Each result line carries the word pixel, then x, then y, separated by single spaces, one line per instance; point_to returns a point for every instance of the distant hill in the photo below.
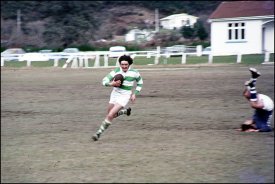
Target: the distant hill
pixel 67 23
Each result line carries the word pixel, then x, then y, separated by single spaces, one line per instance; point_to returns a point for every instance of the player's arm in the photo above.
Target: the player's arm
pixel 139 84
pixel 252 130
pixel 257 104
pixel 108 80
pixel 138 88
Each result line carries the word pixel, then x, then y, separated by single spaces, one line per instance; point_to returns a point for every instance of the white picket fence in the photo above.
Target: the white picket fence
pixel 81 59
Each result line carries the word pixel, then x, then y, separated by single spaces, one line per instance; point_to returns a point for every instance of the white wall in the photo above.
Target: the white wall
pixel 269 37
pixel 130 37
pixel 251 45
pixel 177 22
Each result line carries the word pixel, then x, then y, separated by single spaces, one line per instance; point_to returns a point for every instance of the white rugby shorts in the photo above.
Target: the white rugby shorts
pixel 119 98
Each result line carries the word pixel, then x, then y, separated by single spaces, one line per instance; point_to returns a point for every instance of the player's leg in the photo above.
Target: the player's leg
pixel 250 91
pixel 104 125
pixel 262 119
pixel 246 94
pixel 252 84
pixel 113 109
pixel 110 106
pixel 126 111
pixel 113 112
pixel 123 100
pixel 251 94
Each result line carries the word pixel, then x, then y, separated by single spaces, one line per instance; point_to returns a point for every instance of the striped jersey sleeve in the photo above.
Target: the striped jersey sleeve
pixel 139 82
pixel 107 79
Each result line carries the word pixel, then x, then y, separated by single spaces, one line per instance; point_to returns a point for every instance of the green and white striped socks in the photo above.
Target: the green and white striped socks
pixel 104 125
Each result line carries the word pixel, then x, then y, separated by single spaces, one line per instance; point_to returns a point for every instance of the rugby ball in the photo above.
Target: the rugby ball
pixel 119 77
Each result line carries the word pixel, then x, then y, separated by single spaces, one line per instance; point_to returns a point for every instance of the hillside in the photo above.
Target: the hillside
pixel 67 23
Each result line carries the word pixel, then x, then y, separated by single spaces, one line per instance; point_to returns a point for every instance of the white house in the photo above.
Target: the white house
pixel 138 35
pixel 242 27
pixel 176 21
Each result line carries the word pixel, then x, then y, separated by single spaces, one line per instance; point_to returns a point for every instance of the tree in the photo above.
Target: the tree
pixel 200 30
pixel 197 32
pixel 187 32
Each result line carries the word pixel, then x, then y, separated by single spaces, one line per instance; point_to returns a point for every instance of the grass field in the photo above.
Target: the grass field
pixel 182 128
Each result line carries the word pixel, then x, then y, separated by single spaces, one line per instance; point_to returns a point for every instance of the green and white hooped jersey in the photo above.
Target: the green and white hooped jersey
pixel 130 77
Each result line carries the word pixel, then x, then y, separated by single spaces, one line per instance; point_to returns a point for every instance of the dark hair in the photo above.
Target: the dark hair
pixel 125 58
pixel 245 127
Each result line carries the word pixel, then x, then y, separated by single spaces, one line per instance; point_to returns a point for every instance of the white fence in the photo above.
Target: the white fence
pixel 80 59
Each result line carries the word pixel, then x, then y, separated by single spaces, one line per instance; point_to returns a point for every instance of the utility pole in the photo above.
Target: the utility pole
pixel 18 27
pixel 18 21
pixel 156 20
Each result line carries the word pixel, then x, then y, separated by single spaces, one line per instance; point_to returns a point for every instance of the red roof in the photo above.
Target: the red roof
pixel 230 9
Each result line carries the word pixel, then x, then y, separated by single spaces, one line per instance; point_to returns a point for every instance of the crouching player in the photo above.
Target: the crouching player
pixel 263 105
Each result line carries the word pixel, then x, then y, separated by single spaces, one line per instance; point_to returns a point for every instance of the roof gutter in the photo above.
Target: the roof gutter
pixel 240 18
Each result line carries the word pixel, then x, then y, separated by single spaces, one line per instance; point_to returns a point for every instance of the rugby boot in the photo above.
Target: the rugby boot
pixel 95 137
pixel 128 111
pixel 254 73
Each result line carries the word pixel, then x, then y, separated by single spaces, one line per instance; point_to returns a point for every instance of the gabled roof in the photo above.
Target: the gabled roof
pixel 230 9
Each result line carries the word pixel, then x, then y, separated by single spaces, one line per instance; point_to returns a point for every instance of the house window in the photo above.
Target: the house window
pixel 183 22
pixel 236 31
pixel 188 22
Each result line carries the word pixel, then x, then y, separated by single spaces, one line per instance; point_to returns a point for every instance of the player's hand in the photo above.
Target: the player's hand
pixel 115 83
pixel 251 130
pixel 133 98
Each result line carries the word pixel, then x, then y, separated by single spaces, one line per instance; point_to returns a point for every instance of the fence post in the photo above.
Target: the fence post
pixel 97 60
pixel 157 55
pixel 239 58
pixel 29 63
pixel 167 55
pixel 2 61
pixel 210 58
pixel 183 58
pixel 105 60
pixel 157 59
pixel 86 61
pixel 55 62
pixel 148 55
pixel 266 57
pixel 81 61
pixel 74 63
pixel 199 50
